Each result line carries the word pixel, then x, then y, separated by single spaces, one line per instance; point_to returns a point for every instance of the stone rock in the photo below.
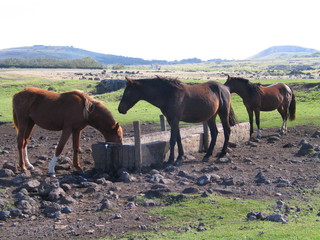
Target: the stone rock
pixel 66 187
pixel 107 204
pixel 51 209
pixel 56 194
pixel 24 205
pixel 278 218
pixel 2 204
pixel 31 185
pixel 316 134
pixel 185 175
pixel 224 160
pixel 156 178
pixel 150 203
pixel 171 168
pixel 6 173
pixel 67 210
pixel 273 139
pixel 4 215
pixel 257 215
pixel 9 165
pixel 126 177
pixel 67 200
pixel 191 190
pixel 47 186
pixel 157 191
pixel 260 178
pixel 15 212
pixel 203 180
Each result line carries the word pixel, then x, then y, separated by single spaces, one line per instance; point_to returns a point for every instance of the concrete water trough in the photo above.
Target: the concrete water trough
pixel 153 149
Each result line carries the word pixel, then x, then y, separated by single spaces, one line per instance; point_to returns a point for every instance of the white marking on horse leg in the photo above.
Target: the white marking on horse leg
pixel 259 134
pixel 26 158
pixel 52 165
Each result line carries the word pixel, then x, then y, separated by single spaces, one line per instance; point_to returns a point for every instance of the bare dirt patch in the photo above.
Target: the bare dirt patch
pixel 105 205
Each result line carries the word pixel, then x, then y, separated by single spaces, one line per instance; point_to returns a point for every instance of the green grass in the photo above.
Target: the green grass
pixel 306 101
pixel 225 218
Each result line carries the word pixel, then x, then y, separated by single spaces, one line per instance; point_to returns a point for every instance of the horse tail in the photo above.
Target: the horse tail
pixel 15 119
pixel 232 117
pixel 225 99
pixel 292 108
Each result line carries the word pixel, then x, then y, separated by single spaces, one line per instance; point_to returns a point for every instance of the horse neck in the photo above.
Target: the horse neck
pixel 154 95
pixel 242 90
pixel 102 120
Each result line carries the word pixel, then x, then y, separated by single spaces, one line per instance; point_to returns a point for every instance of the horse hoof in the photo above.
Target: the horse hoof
pixel 52 175
pixel 25 173
pixel 205 159
pixel 178 162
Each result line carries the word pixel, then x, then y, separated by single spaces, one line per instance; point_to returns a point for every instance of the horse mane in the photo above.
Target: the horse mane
pixel 252 87
pixel 89 103
pixel 166 81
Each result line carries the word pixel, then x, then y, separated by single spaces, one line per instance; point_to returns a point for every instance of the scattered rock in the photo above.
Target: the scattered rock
pixel 278 218
pixel 4 215
pixel 107 204
pixel 191 190
pixel 6 173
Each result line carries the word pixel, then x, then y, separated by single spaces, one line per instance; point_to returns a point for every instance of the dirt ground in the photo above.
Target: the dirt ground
pixel 269 167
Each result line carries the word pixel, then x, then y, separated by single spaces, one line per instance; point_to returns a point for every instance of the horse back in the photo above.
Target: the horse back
pixel 48 109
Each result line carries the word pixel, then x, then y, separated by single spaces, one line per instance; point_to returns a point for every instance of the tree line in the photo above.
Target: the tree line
pixel 84 63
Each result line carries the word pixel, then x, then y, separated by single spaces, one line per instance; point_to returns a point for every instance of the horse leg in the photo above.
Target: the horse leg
pixel 21 149
pixel 226 131
pixel 27 135
pixel 284 114
pixel 76 148
pixel 180 147
pixel 214 133
pixel 257 115
pixel 63 139
pixel 173 138
pixel 250 114
pixel 22 140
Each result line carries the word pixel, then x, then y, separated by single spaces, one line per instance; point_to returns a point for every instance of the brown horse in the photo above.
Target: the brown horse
pixel 70 112
pixel 258 98
pixel 182 102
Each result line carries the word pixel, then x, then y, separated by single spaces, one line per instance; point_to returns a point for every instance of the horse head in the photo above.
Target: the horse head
pixel 116 134
pixel 229 84
pixel 130 97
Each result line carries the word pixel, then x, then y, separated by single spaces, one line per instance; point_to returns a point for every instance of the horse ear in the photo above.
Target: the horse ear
pixel 228 77
pixel 129 80
pixel 116 126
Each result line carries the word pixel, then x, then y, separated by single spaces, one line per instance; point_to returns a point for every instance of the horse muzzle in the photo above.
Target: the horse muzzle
pixel 122 109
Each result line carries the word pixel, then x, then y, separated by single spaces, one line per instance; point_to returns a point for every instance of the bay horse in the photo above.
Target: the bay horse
pixel 69 111
pixel 258 98
pixel 182 102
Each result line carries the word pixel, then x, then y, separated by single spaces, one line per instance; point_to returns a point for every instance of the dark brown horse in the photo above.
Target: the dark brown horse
pixel 70 112
pixel 258 98
pixel 182 102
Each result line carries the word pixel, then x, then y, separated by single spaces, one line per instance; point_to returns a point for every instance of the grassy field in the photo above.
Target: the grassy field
pixel 225 218
pixel 307 100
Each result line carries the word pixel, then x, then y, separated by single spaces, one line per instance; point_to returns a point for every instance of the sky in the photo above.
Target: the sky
pixel 164 29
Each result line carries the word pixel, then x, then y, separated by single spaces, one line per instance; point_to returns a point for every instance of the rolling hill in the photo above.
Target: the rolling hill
pixel 66 52
pixel 285 51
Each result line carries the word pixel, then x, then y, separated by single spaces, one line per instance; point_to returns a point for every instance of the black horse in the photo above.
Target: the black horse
pixel 182 102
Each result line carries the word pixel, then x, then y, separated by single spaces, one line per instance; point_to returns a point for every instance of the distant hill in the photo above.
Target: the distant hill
pixel 284 51
pixel 66 52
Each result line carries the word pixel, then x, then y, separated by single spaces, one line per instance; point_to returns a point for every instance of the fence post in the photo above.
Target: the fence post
pixel 205 136
pixel 163 123
pixel 137 145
